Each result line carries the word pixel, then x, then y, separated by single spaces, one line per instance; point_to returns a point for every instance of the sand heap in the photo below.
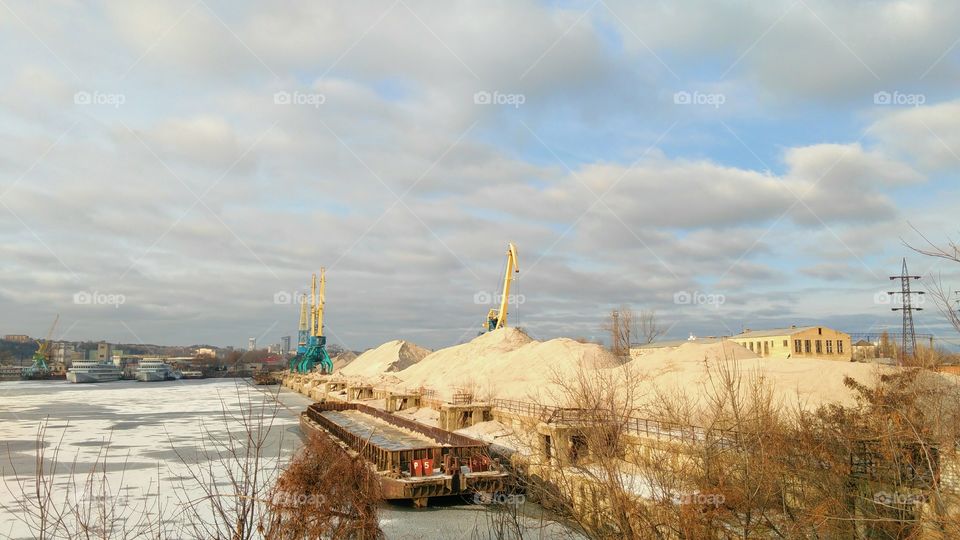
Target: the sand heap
pixel 390 357
pixel 508 364
pixel 505 363
pixel 341 360
pixel 688 369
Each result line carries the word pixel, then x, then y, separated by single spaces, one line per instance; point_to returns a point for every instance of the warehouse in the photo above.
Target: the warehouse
pixel 797 342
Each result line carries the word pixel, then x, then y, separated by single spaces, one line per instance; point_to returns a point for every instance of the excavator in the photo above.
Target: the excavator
pixel 40 368
pixel 311 343
pixel 498 318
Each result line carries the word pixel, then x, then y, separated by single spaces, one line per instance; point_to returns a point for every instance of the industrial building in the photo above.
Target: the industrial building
pixel 817 342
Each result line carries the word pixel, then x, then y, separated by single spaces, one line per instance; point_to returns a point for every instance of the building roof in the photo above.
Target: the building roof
pixel 773 332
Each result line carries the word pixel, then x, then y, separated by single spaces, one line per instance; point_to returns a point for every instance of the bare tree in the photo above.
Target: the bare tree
pixel 942 295
pixel 232 469
pixel 647 326
pixel 55 501
pixel 619 325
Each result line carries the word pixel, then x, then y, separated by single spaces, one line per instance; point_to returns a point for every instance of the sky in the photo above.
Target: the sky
pixel 172 172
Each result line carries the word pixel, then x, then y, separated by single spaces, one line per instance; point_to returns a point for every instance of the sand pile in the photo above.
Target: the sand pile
pixel 341 360
pixel 688 369
pixel 505 363
pixel 508 364
pixel 390 357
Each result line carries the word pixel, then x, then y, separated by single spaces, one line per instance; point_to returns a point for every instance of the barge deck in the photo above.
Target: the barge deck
pixel 413 461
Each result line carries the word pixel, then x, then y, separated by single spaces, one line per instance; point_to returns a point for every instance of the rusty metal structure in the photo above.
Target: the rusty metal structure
pixel 413 461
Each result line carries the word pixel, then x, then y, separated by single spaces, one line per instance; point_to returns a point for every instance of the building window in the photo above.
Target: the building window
pixel 819 347
pixel 806 346
pixel 766 348
pixel 796 346
pixel 839 346
pixel 751 345
pixel 785 344
pixel 829 346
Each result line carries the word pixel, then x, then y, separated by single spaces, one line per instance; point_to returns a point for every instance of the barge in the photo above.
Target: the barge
pixel 413 461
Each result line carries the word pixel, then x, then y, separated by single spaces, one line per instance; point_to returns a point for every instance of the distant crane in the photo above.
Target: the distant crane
pixel 312 344
pixel 498 318
pixel 41 368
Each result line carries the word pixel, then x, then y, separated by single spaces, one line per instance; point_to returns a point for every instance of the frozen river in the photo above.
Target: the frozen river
pixel 148 430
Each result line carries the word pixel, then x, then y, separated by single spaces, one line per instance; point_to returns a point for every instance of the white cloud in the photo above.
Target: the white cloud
pixel 928 135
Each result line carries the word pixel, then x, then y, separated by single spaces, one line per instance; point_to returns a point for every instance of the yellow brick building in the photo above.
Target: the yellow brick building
pixel 797 342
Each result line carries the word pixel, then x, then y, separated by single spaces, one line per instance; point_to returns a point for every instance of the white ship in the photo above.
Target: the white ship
pixel 154 369
pixel 92 371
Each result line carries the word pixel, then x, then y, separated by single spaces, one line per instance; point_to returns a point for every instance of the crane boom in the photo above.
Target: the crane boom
pixel 322 299
pixel 498 318
pixel 44 345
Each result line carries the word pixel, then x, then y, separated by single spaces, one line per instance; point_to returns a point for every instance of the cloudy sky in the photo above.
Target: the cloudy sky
pixel 171 171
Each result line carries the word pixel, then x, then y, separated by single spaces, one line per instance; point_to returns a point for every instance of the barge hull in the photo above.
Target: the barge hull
pixel 463 464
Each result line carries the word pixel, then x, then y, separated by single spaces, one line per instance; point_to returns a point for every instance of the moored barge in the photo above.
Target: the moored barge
pixel 413 461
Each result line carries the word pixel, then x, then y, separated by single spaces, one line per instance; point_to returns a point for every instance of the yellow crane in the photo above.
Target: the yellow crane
pixel 41 367
pixel 312 345
pixel 498 318
pixel 317 301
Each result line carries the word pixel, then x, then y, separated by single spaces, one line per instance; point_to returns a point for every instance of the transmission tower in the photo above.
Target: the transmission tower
pixel 908 337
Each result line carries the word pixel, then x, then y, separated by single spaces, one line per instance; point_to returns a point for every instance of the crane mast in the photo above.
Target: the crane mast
pixel 498 318
pixel 319 299
pixel 304 329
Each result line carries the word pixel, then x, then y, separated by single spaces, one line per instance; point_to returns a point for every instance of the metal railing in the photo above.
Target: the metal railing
pixel 643 427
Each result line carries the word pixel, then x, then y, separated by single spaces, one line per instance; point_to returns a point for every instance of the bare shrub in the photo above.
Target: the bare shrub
pixel 233 469
pixel 324 493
